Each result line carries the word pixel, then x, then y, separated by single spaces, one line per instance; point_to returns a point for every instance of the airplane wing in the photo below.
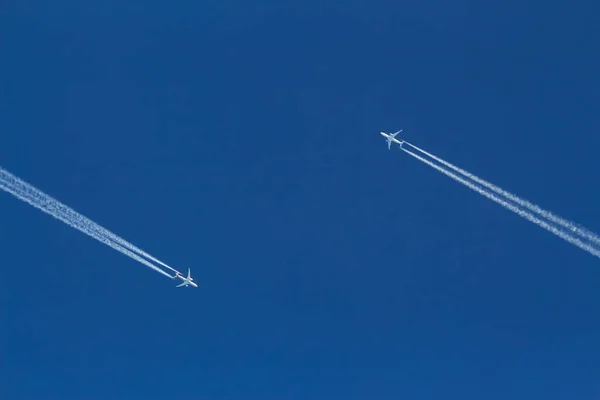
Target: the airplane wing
pixel 183 284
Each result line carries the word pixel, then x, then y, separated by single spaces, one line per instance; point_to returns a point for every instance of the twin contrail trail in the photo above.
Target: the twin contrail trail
pixel 516 199
pixel 523 208
pixel 40 200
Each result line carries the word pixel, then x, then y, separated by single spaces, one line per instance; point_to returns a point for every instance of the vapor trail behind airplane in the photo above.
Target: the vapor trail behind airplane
pixel 516 199
pixel 523 213
pixel 24 187
pixel 58 210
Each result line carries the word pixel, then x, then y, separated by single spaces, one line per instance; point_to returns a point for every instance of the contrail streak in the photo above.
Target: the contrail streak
pixel 42 203
pixel 525 214
pixel 24 187
pixel 516 199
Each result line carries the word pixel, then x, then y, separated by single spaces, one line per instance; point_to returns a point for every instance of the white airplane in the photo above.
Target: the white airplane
pixel 391 137
pixel 186 281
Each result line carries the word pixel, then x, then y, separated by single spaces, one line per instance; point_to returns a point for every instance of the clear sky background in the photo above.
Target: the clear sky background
pixel 241 139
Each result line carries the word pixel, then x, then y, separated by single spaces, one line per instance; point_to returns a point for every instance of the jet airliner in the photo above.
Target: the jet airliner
pixel 391 137
pixel 186 281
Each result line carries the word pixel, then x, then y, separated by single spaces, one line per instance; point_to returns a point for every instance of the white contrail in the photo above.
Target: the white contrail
pixel 516 199
pixel 525 214
pixel 24 187
pixel 56 213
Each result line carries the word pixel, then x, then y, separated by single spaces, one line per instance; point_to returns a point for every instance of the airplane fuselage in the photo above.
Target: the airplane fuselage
pixel 390 138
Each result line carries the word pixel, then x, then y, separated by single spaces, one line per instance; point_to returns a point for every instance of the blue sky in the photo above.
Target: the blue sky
pixel 241 139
